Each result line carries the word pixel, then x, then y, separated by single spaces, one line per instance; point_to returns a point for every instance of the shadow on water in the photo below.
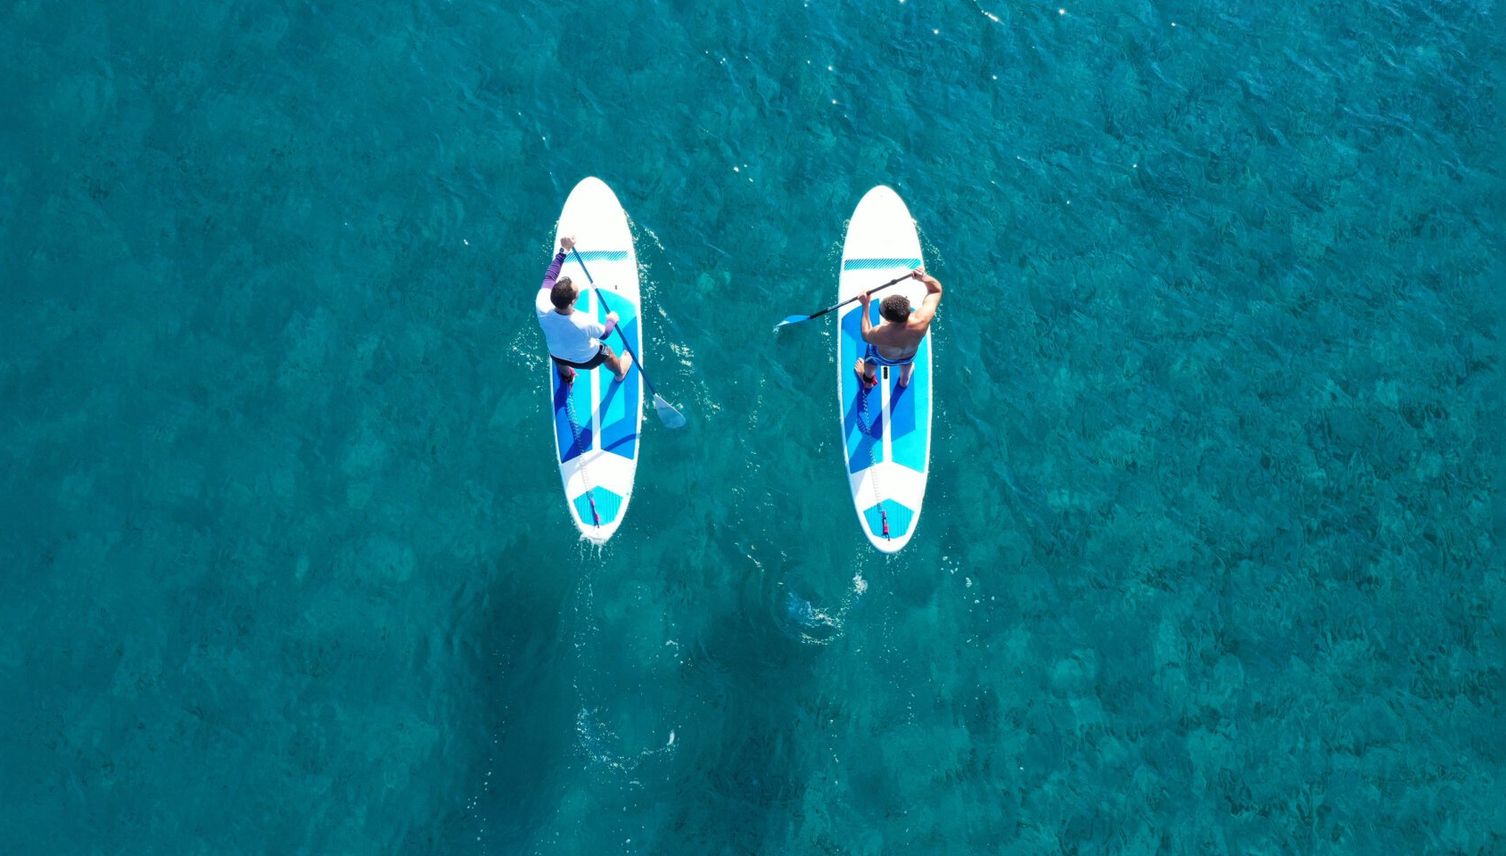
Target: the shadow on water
pixel 745 780
pixel 741 783
pixel 525 701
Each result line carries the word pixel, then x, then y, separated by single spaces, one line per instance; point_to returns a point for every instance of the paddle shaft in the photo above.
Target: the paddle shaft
pixel 625 343
pixel 870 292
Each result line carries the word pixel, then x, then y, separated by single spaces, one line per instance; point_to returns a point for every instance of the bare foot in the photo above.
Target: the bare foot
pixel 567 374
pixel 869 381
pixel 626 362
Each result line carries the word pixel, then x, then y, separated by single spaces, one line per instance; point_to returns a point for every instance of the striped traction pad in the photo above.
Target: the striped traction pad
pixel 608 504
pixel 881 264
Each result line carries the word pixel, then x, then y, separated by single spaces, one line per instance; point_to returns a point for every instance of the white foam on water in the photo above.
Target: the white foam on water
pixel 602 745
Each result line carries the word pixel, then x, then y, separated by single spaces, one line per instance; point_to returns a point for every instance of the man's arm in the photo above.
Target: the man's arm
pixel 599 330
pixel 559 261
pixel 541 302
pixel 864 299
pixel 920 319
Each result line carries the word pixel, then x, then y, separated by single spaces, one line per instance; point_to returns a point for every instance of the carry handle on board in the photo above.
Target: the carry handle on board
pixel 671 417
pixel 796 319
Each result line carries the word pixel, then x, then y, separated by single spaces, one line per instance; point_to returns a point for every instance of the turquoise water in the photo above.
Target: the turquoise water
pixel 1210 558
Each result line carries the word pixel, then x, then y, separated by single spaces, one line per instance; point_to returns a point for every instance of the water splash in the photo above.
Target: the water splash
pixel 816 625
pixel 602 746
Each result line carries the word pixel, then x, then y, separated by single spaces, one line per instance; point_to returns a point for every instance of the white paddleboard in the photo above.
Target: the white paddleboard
pixel 886 430
pixel 597 419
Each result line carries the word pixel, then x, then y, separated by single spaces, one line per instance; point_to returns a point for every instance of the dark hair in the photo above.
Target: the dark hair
pixel 896 308
pixel 563 293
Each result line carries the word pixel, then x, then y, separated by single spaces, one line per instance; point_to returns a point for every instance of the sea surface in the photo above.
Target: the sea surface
pixel 1211 556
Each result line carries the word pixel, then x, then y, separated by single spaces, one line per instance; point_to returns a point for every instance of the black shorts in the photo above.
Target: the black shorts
pixel 601 356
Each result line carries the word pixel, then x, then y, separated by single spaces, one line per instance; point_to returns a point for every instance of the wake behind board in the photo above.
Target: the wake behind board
pixel 886 430
pixel 597 419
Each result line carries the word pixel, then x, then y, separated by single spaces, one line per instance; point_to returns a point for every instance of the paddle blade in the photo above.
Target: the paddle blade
pixel 793 319
pixel 671 417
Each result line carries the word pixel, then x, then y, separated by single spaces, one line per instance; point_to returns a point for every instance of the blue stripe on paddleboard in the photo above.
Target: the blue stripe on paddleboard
pixel 909 416
pixel 899 519
pixel 619 402
pixel 608 504
pixel 862 420
pixel 580 393
pixel 880 264
pixel 580 402
pixel 601 255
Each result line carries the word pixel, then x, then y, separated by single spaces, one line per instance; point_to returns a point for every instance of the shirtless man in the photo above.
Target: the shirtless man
pixel 574 340
pixel 895 341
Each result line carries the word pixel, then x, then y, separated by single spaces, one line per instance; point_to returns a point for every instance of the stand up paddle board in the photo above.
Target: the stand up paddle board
pixel 596 418
pixel 886 430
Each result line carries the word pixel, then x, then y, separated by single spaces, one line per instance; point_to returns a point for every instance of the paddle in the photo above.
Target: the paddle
pixel 796 319
pixel 671 417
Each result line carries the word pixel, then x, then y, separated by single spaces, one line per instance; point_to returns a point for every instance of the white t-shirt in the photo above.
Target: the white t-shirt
pixel 575 337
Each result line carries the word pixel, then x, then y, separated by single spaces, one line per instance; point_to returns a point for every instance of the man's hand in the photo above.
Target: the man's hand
pixel 865 298
pixel 932 285
pixel 567 243
pixel 611 317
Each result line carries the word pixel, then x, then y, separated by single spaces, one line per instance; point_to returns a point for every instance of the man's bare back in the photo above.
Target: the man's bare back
pixel 897 337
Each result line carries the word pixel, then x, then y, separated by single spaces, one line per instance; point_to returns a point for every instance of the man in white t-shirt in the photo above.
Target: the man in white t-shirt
pixel 574 340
